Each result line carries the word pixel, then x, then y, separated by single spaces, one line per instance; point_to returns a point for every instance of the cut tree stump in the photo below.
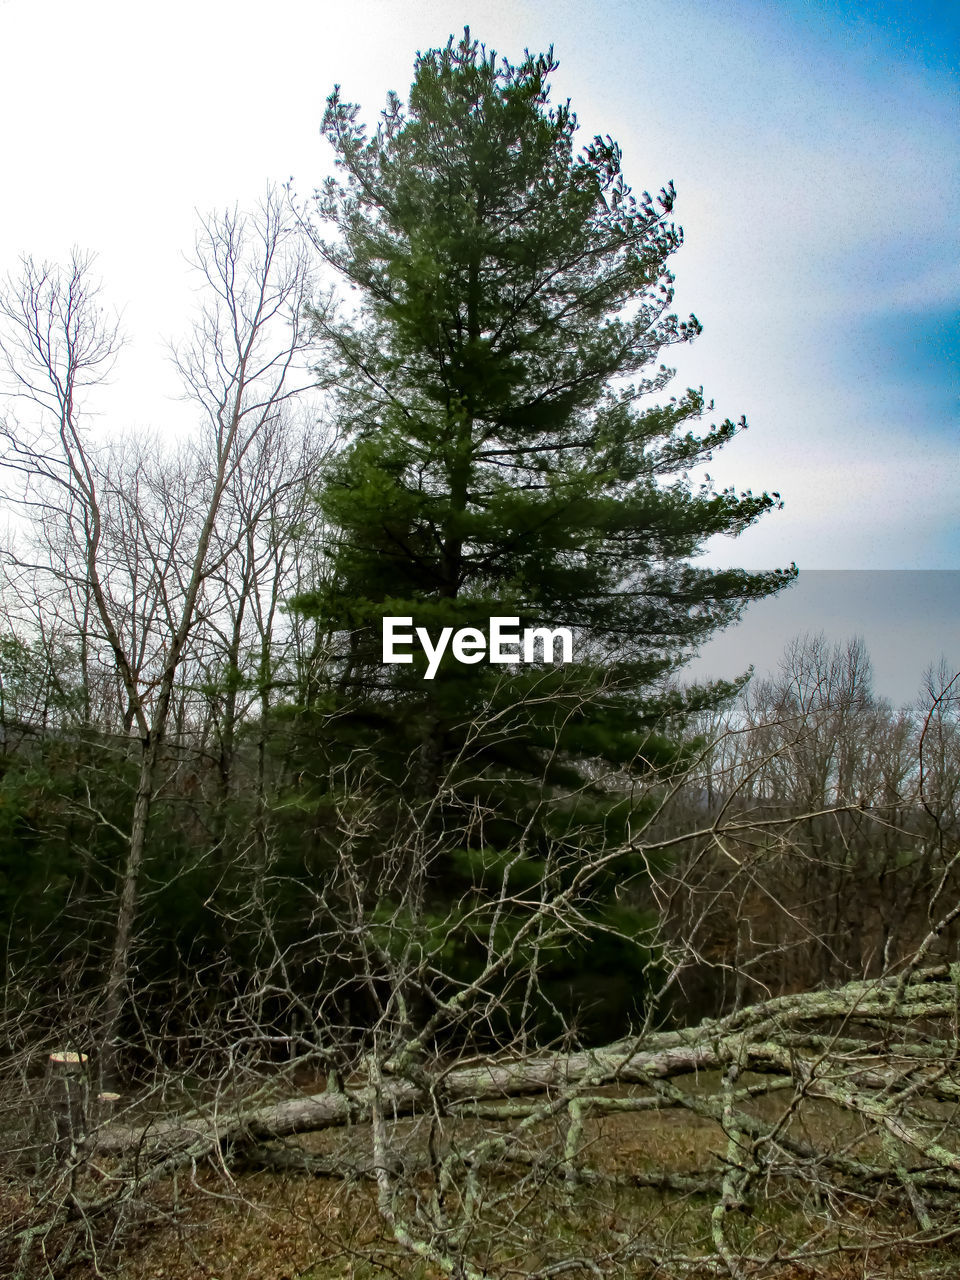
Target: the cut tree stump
pixel 66 1097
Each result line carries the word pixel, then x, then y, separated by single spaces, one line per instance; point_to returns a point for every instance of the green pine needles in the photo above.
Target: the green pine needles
pixel 497 380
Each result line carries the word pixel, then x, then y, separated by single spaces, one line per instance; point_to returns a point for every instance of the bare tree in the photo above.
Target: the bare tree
pixel 145 563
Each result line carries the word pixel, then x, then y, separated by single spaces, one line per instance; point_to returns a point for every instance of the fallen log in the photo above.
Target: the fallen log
pixel 752 1038
pixel 401 1097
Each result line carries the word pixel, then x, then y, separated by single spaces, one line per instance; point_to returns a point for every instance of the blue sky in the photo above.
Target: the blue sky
pixel 814 147
pixel 907 619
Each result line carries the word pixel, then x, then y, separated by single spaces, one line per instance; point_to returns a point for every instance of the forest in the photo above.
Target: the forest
pixel 448 965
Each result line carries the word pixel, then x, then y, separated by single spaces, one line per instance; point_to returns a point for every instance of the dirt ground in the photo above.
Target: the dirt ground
pixel 209 1224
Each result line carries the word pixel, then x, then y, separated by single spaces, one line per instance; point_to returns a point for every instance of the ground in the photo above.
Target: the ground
pixel 208 1224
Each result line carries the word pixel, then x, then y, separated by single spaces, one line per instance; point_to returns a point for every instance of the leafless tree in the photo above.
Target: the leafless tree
pixel 132 533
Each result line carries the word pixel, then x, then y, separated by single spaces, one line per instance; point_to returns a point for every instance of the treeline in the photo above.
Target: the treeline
pixel 841 824
pixel 838 820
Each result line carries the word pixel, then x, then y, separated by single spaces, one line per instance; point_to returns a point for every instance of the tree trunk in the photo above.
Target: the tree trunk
pixel 126 914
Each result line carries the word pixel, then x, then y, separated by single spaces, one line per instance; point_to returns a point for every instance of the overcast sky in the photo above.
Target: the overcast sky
pixel 814 147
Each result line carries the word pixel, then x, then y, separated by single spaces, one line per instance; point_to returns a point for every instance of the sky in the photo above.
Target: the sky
pixel 814 148
pixel 907 620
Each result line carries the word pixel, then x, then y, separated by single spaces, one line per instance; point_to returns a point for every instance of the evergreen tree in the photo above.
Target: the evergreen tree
pixel 497 381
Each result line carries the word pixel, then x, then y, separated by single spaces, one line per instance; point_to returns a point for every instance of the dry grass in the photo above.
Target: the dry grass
pixel 214 1225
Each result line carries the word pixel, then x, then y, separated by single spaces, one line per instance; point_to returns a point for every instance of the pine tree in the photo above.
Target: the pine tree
pixel 497 382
